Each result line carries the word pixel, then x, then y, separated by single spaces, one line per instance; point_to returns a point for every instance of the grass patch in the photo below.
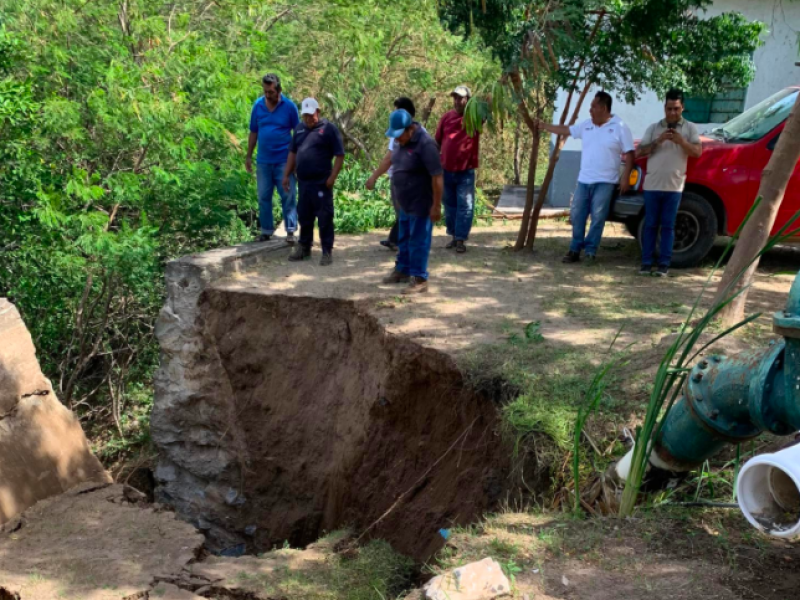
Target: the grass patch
pixel 376 571
pixel 540 386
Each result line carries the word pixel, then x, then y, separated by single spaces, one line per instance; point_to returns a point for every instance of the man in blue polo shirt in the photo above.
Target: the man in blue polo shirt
pixel 272 121
pixel 418 184
pixel 316 143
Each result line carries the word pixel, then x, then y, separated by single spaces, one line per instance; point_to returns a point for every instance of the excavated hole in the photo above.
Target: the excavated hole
pixel 346 425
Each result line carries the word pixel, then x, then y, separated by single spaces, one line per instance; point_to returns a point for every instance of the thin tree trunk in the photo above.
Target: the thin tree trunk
pixel 533 163
pixel 755 232
pixel 551 169
pixel 517 153
pixel 426 112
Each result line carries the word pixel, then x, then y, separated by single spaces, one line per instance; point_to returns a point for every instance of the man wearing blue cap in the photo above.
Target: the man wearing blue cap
pixel 417 184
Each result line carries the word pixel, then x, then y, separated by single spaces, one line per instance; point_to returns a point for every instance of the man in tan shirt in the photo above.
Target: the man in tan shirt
pixel 668 143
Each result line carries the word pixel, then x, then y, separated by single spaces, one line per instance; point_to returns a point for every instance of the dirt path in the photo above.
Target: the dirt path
pixel 489 292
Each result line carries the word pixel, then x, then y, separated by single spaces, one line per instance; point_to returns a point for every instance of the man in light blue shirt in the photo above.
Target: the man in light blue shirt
pixel 272 122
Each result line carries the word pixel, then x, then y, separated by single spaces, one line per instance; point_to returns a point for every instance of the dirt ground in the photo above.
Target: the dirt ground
pixel 661 555
pixel 483 295
pixel 94 544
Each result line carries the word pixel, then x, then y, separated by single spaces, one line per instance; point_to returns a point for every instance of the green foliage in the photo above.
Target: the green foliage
pixel 623 46
pixel 123 130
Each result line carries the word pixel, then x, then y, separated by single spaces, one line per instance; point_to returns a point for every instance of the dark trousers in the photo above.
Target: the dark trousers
pixel 315 202
pixel 395 230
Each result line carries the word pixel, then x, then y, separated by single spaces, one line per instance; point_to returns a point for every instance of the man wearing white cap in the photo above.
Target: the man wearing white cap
pixel 316 143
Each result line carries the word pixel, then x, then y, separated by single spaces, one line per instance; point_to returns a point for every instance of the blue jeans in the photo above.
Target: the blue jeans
pixel 414 244
pixel 660 209
pixel 590 199
pixel 459 202
pixel 268 179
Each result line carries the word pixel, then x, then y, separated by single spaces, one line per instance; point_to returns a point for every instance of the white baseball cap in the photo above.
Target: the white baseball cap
pixel 309 106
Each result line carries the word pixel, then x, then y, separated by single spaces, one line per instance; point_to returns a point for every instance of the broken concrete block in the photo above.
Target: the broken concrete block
pixel 480 580
pixel 43 451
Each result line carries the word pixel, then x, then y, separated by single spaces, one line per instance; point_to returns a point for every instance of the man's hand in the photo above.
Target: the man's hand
pixel 331 181
pixel 370 185
pixel 436 212
pixel 248 164
pixel 285 183
pixel 666 136
pixel 624 187
pixel 677 137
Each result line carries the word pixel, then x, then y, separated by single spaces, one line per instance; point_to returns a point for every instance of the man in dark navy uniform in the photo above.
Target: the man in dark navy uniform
pixel 316 143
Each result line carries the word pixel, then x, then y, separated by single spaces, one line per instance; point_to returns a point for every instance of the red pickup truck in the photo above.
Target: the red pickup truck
pixel 722 184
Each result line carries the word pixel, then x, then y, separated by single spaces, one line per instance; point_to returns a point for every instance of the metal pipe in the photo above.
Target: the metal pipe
pixel 733 399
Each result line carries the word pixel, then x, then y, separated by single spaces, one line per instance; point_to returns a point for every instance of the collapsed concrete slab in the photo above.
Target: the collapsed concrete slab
pixel 92 543
pixel 43 450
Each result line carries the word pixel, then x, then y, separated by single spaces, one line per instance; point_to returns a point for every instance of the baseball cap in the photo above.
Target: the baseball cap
pixel 399 121
pixel 462 91
pixel 309 106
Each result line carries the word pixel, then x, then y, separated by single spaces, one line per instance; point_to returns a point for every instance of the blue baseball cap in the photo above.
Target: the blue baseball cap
pixel 399 121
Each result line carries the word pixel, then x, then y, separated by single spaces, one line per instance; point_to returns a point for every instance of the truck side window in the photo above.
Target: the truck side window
pixel 773 142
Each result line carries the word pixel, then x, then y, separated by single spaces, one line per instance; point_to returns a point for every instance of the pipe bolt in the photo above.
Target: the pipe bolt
pixel 716 359
pixel 703 364
pixel 698 377
pixel 714 414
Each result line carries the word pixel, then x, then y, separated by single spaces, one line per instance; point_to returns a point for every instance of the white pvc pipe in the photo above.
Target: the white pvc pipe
pixel 768 490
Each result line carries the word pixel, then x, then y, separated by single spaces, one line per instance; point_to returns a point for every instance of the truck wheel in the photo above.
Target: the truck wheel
pixel 695 231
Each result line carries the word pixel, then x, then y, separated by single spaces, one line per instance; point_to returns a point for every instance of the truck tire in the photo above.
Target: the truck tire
pixel 695 231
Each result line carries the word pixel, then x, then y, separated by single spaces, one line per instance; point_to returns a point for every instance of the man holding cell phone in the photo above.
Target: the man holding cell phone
pixel 668 144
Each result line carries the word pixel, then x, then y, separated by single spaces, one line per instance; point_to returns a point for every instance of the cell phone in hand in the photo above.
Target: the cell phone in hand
pixel 672 125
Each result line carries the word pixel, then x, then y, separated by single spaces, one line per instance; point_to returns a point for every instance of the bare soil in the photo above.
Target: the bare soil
pixel 477 297
pixel 346 425
pixel 659 555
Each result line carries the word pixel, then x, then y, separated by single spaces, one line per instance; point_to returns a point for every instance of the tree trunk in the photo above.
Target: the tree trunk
pixel 755 233
pixel 517 153
pixel 533 162
pixel 548 179
pixel 533 226
pixel 426 112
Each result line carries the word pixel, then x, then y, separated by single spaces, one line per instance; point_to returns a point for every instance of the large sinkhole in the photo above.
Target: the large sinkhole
pixel 323 420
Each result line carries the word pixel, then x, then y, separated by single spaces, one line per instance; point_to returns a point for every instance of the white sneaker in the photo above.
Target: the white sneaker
pixel 291 239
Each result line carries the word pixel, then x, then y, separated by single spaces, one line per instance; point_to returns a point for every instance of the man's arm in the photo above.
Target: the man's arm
pixel 625 180
pixel 338 161
pixel 438 189
pixel 251 145
pixel 556 129
pixel 386 163
pixel 291 163
pixel 693 150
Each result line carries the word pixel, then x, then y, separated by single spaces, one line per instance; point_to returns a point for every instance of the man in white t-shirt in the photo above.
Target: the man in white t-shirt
pixel 605 137
pixel 386 167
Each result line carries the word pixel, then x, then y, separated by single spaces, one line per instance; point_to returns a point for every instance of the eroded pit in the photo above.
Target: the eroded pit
pixel 282 418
